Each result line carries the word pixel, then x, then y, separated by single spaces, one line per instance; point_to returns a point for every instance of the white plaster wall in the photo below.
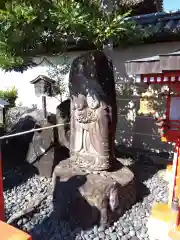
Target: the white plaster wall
pixel 129 128
pixel 26 95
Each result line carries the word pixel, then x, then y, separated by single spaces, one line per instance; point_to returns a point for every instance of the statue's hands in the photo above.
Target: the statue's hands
pixel 85 126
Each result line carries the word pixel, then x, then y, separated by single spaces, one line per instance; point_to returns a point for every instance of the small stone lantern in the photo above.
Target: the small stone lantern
pixel 43 87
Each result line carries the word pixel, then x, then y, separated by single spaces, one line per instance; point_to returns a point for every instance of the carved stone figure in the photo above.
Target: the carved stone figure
pixel 93 112
pixel 108 188
pixel 90 140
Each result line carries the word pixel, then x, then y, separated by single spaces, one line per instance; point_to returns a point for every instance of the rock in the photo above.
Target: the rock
pixel 126 230
pixel 137 227
pixel 41 152
pixel 16 148
pixel 101 229
pixel 50 228
pixel 107 232
pixel 63 117
pixel 40 149
pixel 132 233
pixel 124 237
pixel 113 236
pixel 134 238
pixel 107 237
pixel 78 189
pixel 102 235
pixel 95 229
pixel 93 111
pixel 96 238
pixel 20 222
pixel 24 221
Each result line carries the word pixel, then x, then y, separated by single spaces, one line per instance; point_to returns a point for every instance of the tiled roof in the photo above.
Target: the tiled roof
pixel 42 77
pixel 160 24
pixel 163 26
pixel 155 64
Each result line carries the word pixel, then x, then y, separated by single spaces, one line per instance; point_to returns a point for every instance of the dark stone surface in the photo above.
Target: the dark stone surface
pixel 93 111
pixel 45 151
pixel 97 189
pixel 63 117
pixel 41 150
pixel 14 149
pixel 92 198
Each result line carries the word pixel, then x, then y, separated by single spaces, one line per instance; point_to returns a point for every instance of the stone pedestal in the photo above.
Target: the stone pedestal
pixel 92 197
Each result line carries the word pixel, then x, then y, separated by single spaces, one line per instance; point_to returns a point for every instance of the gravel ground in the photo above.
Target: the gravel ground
pixel 41 224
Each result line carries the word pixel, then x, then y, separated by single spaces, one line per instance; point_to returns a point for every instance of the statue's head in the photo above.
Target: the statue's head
pixel 92 71
pixel 79 102
pixel 93 100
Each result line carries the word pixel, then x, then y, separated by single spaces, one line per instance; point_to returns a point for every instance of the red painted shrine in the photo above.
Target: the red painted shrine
pixel 164 222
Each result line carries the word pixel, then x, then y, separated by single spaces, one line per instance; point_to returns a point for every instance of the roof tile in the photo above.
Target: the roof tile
pixel 161 22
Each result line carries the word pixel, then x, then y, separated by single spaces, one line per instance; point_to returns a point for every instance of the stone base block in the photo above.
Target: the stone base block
pixel 92 197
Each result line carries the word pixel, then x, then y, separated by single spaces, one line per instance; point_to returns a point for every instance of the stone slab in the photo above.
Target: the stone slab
pixel 41 152
pixel 92 197
pixel 45 152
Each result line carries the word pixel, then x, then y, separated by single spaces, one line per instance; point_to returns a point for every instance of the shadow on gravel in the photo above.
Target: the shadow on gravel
pixel 71 213
pixel 142 166
pixel 15 176
pixel 70 205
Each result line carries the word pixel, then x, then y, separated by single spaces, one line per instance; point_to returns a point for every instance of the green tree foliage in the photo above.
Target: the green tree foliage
pixel 29 27
pixel 57 72
pixel 10 95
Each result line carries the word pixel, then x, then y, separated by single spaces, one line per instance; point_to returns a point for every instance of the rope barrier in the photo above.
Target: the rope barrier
pixel 62 124
pixel 32 130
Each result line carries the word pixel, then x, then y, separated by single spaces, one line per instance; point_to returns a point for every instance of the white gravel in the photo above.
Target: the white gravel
pixel 42 225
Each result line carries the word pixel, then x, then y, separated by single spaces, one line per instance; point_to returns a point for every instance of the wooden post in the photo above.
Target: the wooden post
pixel 9 232
pixel 174 188
pixel 2 213
pixel 4 116
pixel 44 106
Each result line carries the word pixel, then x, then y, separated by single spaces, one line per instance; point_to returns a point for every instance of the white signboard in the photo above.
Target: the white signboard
pixel 174 108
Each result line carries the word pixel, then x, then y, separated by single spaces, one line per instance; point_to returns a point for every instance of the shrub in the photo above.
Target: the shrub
pixel 9 95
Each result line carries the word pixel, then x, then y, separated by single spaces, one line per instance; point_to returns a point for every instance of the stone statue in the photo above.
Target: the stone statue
pixel 91 141
pixel 109 187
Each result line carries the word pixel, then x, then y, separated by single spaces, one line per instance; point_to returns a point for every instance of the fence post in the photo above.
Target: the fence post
pixel 2 213
pixel 7 231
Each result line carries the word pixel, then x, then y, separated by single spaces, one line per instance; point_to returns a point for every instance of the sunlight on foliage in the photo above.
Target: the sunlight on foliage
pixel 29 27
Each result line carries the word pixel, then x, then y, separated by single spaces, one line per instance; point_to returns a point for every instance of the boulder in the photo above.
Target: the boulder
pixel 92 197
